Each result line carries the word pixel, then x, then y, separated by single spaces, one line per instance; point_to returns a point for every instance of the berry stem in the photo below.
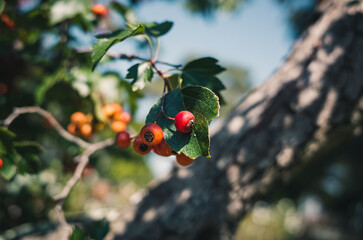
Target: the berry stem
pixel 150 46
pixel 161 74
pixel 130 57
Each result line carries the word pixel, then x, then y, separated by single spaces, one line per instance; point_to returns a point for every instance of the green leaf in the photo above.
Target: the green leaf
pixel 174 81
pixel 98 229
pixel 66 9
pixel 6 141
pixel 8 170
pixel 202 72
pixel 5 133
pixel 157 29
pixel 8 153
pixel 78 234
pixel 140 73
pixel 2 6
pixel 28 147
pixel 108 40
pixel 204 105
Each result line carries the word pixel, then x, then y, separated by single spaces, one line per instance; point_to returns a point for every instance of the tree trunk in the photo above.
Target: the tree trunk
pixel 307 107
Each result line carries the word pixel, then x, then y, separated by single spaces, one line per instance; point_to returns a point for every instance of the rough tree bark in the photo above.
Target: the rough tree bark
pixel 315 96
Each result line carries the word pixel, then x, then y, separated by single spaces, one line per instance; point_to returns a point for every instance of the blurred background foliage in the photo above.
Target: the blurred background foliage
pixel 44 60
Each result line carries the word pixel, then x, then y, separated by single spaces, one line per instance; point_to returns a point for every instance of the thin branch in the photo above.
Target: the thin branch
pixel 82 159
pixel 131 57
pixel 82 163
pixel 52 121
pixel 161 74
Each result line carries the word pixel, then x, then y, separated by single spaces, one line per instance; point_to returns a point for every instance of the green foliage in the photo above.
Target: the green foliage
pixel 204 105
pixel 157 29
pixel 46 60
pixel 78 234
pixel 141 73
pixel 2 6
pixel 174 81
pixel 108 40
pixel 22 157
pixel 202 72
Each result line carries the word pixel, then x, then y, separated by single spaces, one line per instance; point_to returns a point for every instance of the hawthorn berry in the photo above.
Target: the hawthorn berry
pixel 123 139
pixel 163 149
pixel 86 130
pixel 108 110
pixel 99 9
pixel 72 128
pixel 184 160
pixel 141 147
pixel 78 118
pixel 1 162
pixel 118 126
pixel 123 117
pixel 184 121
pixel 151 134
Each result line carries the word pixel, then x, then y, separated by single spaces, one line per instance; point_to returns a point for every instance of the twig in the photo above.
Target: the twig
pixel 131 57
pixel 82 163
pixel 52 121
pixel 83 158
pixel 161 74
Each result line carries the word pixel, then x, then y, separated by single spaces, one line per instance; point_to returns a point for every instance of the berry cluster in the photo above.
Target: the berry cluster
pixel 80 125
pixel 116 116
pixel 151 137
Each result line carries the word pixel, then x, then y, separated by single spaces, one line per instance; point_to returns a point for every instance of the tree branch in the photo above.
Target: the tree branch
pixel 82 158
pixel 52 121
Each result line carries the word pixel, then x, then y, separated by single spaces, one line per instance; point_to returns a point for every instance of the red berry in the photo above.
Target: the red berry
pixel 1 162
pixel 141 147
pixel 184 121
pixel 99 9
pixel 151 134
pixel 184 160
pixel 163 149
pixel 123 139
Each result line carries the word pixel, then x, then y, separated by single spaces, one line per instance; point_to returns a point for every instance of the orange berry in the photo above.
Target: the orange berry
pixel 151 134
pixel 141 147
pixel 78 118
pixel 122 116
pixel 118 126
pixel 86 129
pixel 123 139
pixel 72 129
pixel 7 20
pixel 163 149
pixel 184 160
pixel 108 110
pixel 126 117
pixel 118 108
pixel 99 9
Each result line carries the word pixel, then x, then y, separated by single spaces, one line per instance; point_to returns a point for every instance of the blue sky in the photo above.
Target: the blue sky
pixel 255 37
